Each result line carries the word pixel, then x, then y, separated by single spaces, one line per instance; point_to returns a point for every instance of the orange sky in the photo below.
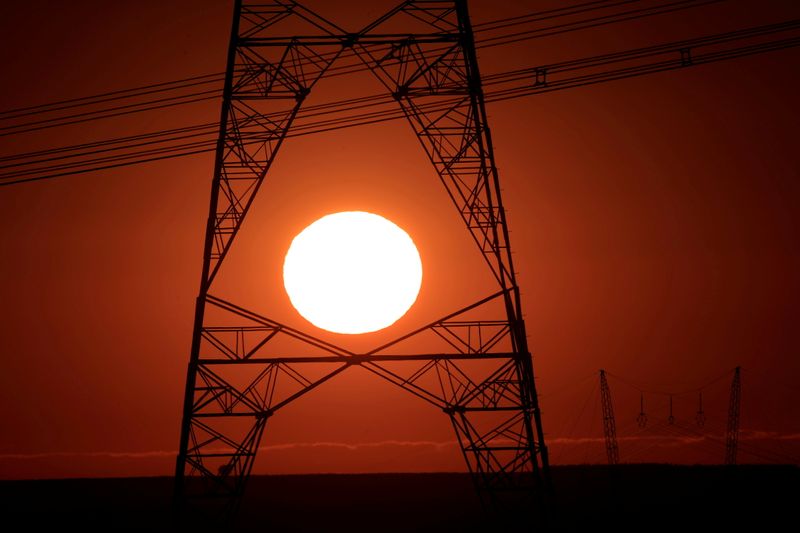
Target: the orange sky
pixel 654 222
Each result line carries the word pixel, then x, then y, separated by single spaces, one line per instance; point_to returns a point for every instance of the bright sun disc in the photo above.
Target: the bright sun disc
pixel 352 272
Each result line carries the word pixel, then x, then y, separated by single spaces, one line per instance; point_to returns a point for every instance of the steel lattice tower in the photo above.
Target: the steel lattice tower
pixel 734 408
pixel 609 422
pixel 480 373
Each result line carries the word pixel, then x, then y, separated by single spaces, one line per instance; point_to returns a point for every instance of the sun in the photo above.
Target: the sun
pixel 352 272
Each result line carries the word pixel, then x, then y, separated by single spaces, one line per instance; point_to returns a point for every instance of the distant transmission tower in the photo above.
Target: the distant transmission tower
pixel 609 423
pixel 734 408
pixel 479 371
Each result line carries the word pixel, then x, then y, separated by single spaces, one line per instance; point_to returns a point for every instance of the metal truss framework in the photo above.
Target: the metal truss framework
pixel 480 372
pixel 734 410
pixel 609 422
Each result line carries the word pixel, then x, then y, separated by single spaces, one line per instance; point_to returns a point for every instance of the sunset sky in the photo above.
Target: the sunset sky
pixel 655 223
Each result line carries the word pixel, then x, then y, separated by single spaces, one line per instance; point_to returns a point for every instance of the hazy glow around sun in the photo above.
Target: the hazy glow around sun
pixel 352 272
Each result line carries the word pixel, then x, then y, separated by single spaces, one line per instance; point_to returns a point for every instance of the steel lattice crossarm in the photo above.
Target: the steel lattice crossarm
pixel 475 364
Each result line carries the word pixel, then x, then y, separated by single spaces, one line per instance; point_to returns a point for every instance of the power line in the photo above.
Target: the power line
pixel 548 14
pixel 113 96
pixel 338 70
pixel 681 392
pixel 118 111
pixel 373 109
pixel 108 142
pixel 596 22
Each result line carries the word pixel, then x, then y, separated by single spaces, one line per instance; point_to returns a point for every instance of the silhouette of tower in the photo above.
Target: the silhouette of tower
pixel 609 423
pixel 478 371
pixel 641 418
pixel 734 407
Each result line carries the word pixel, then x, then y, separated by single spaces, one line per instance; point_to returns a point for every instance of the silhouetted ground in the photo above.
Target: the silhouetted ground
pixel 624 498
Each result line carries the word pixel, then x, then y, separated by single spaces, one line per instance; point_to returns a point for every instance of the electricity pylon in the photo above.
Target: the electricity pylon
pixel 734 408
pixel 478 371
pixel 609 422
